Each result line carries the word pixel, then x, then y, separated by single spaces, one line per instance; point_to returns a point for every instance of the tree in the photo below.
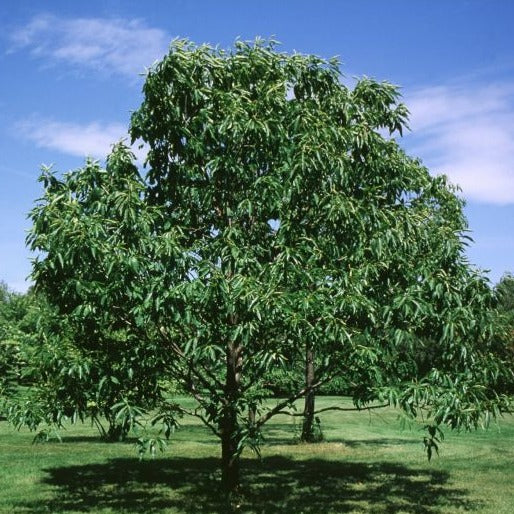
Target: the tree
pixel 19 319
pixel 11 311
pixel 504 325
pixel 275 219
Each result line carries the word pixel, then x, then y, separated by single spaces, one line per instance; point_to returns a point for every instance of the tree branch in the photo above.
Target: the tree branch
pixel 278 408
pixel 193 367
pixel 196 414
pixel 344 409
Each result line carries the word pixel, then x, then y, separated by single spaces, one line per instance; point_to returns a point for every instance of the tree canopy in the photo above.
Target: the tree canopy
pixel 275 217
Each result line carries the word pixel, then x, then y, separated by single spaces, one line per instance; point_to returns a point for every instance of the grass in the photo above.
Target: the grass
pixel 366 464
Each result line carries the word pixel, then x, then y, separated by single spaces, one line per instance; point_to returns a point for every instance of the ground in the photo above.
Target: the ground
pixel 366 464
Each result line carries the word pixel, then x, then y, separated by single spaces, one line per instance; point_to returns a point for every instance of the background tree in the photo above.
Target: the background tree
pixel 14 322
pixel 504 325
pixel 64 379
pixel 505 292
pixel 274 220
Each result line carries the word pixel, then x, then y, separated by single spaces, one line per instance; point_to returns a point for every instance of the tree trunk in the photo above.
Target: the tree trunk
pixel 229 456
pixel 230 430
pixel 309 408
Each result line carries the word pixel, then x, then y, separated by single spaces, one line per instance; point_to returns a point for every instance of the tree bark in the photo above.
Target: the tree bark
pixel 310 396
pixel 230 430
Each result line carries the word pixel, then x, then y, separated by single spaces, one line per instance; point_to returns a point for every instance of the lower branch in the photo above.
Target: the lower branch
pixel 204 420
pixel 278 408
pixel 345 409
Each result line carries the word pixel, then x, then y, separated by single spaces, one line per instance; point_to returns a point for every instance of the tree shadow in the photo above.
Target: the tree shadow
pixel 274 484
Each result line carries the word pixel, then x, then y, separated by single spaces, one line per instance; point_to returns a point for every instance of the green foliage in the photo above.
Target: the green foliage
pixel 504 328
pixel 284 381
pixel 274 213
pixel 19 315
pixel 87 362
pixel 60 380
pixel 432 440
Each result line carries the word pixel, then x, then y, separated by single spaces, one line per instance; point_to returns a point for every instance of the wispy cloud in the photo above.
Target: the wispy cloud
pixel 91 139
pixel 467 132
pixel 111 45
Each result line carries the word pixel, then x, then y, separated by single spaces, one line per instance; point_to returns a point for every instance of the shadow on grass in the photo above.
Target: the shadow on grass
pixel 275 484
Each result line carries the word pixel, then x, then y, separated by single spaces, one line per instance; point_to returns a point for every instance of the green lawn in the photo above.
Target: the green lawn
pixel 367 464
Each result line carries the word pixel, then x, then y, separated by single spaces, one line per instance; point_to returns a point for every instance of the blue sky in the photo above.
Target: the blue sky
pixel 70 74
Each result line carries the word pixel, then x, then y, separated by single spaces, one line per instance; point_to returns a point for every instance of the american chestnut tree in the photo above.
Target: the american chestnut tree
pixel 276 218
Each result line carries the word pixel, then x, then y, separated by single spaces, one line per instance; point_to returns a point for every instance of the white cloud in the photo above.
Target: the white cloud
pixel 111 45
pixel 467 133
pixel 92 139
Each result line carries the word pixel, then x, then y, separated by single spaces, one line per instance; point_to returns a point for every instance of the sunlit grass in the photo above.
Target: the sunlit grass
pixel 366 464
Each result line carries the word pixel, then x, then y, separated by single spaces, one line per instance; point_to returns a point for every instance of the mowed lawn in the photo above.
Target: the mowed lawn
pixel 367 464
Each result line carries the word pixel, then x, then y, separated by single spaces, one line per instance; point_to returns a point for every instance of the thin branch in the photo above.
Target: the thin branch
pixel 345 409
pixel 329 367
pixel 188 361
pixel 193 366
pixel 206 422
pixel 191 387
pixel 278 408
